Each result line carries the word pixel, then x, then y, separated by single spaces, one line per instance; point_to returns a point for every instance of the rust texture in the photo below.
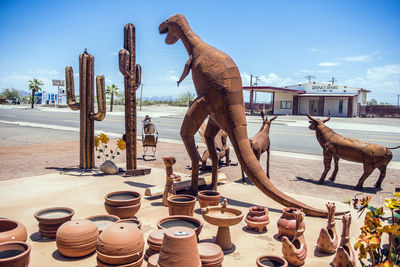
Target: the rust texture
pixel 86 105
pixel 132 78
pixel 220 96
pixel 339 147
pixel 170 179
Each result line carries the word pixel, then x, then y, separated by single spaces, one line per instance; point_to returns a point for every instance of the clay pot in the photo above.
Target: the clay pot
pixel 179 248
pixel 51 219
pixel 208 198
pixel 133 221
pixel 11 230
pixel 152 261
pixel 122 212
pixel 137 263
pixel 181 205
pixel 257 211
pixel 257 218
pixel 77 238
pixel 180 221
pixel 123 198
pixel 270 260
pixel 211 255
pixel 154 241
pixel 287 223
pixel 14 254
pixel 103 221
pixel 121 243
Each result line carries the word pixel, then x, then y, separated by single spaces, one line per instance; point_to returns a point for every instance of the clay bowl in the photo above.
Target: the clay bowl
pixel 211 255
pixel 208 198
pixel 103 221
pixel 11 230
pixel 56 215
pixel 123 212
pixel 181 205
pixel 123 198
pixel 136 263
pixel 222 216
pixel 133 221
pixel 270 260
pixel 14 254
pixel 180 221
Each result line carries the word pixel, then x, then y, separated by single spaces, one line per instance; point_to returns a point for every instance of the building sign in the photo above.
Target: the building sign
pixel 324 87
pixel 58 82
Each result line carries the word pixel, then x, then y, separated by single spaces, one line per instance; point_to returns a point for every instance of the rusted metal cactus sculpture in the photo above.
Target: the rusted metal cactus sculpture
pixel 86 105
pixel 220 95
pixel 334 145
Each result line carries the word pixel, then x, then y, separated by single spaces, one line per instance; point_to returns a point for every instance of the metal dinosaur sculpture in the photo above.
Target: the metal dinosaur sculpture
pixel 220 95
pixel 334 145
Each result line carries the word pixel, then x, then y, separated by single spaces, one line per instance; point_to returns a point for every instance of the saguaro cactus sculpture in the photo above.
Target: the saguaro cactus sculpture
pixel 86 105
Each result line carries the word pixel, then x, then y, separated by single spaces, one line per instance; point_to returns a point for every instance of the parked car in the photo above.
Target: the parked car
pixel 14 101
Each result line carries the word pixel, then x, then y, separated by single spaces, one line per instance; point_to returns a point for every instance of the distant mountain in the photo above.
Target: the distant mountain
pixel 23 93
pixel 160 98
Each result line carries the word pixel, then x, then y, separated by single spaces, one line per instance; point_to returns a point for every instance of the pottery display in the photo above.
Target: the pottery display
pixel 257 218
pixel 14 254
pixel 345 254
pixel 123 212
pixel 328 239
pixel 77 238
pixel 103 221
pixel 152 261
pixel 180 221
pixel 287 223
pixel 154 241
pixel 211 255
pixel 123 198
pixel 133 221
pixel 179 248
pixel 51 219
pixel 208 198
pixel 223 217
pixel 120 244
pixel 181 205
pixel 270 260
pixel 11 230
pixel 295 250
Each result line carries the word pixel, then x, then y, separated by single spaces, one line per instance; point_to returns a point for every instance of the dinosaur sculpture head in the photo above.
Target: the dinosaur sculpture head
pixel 315 122
pixel 266 120
pixel 173 27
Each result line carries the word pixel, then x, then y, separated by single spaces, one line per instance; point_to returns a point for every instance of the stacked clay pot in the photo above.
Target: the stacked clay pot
pixel 181 205
pixel 257 218
pixel 120 244
pixel 180 221
pixel 211 255
pixel 270 260
pixel 11 230
pixel 103 221
pixel 14 254
pixel 124 204
pixel 132 221
pixel 208 198
pixel 154 241
pixel 287 223
pixel 51 219
pixel 77 238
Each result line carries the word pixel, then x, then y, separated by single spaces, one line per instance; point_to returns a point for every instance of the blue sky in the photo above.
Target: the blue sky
pixel 357 42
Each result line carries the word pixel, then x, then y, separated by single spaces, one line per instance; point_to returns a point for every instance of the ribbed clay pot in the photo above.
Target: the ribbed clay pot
pixel 123 212
pixel 257 218
pixel 211 255
pixel 181 205
pixel 287 223
pixel 123 198
pixel 154 241
pixel 132 221
pixel 270 260
pixel 208 198
pixel 103 221
pixel 14 254
pixel 11 230
pixel 180 221
pixel 51 219
pixel 179 248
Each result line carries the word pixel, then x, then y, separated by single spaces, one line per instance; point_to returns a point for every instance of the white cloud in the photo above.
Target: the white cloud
pixel 171 78
pixel 361 58
pixel 314 49
pixel 315 71
pixel 43 72
pixel 271 79
pixel 328 64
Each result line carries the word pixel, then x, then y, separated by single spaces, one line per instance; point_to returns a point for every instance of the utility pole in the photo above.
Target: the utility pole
pixel 251 79
pixel 333 80
pixel 309 77
pixel 398 99
pixel 255 92
pixel 141 93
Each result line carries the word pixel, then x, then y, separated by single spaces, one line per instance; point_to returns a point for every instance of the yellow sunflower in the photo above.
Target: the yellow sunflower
pixel 104 138
pixel 96 141
pixel 121 144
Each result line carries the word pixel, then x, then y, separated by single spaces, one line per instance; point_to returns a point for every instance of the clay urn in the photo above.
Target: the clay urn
pixel 179 248
pixel 181 205
pixel 124 204
pixel 132 221
pixel 208 198
pixel 11 230
pixel 152 261
pixel 211 255
pixel 257 218
pixel 287 223
pixel 119 244
pixel 180 221
pixel 294 250
pixel 14 254
pixel 271 260
pixel 50 219
pixel 103 221
pixel 154 241
pixel 77 238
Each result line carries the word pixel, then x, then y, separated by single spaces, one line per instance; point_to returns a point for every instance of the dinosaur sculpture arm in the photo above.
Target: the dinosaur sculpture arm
pixel 186 70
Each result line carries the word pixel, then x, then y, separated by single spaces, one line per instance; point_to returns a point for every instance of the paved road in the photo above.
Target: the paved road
pixel 283 137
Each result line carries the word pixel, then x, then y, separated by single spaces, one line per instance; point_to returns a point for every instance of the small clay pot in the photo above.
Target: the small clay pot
pixel 258 211
pixel 211 255
pixel 270 260
pixel 14 254
pixel 11 230
pixel 287 223
pixel 136 263
pixel 152 261
pixel 180 221
pixel 123 212
pixel 154 241
pixel 133 221
pixel 208 198
pixel 51 219
pixel 123 198
pixel 181 205
pixel 103 221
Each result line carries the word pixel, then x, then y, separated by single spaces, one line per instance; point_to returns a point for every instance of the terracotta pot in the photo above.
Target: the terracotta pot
pixel 133 221
pixel 14 254
pixel 152 261
pixel 287 223
pixel 208 198
pixel 103 221
pixel 136 263
pixel 179 248
pixel 78 250
pixel 181 205
pixel 124 212
pixel 211 255
pixel 123 198
pixel 51 219
pixel 155 241
pixel 258 211
pixel 11 230
pixel 181 221
pixel 270 260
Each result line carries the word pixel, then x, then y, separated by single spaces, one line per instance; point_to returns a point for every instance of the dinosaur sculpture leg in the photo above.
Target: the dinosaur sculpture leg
pixel 381 176
pixel 194 117
pixel 368 169
pixel 209 134
pixel 327 164
pixel 335 171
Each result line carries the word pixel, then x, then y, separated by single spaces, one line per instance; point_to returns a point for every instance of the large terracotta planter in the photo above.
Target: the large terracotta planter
pixel 211 255
pixel 287 223
pixel 51 219
pixel 270 260
pixel 103 221
pixel 181 205
pixel 208 198
pixel 14 254
pixel 257 218
pixel 11 230
pixel 123 198
pixel 123 212
pixel 180 221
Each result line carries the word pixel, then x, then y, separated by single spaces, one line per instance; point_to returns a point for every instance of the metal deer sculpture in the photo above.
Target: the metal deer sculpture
pixel 220 95
pixel 86 105
pixel 334 145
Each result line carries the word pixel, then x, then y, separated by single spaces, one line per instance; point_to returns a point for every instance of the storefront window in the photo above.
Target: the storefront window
pixel 340 106
pixel 286 104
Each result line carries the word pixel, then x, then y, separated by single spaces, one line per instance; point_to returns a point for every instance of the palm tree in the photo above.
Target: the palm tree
pixel 35 86
pixel 112 90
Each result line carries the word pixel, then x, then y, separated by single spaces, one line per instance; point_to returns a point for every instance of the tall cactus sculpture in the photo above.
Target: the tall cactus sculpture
pixel 86 105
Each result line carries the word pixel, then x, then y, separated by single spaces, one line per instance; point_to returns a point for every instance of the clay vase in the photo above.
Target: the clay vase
pixel 119 244
pixel 211 255
pixel 328 239
pixel 295 250
pixel 287 223
pixel 179 248
pixel 11 230
pixel 345 253
pixel 124 204
pixel 154 241
pixel 208 198
pixel 14 254
pixel 103 221
pixel 132 221
pixel 181 205
pixel 181 221
pixel 51 219
pixel 77 238
pixel 270 260
pixel 257 218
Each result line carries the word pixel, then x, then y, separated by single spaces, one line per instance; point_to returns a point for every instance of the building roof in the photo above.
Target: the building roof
pixel 271 89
